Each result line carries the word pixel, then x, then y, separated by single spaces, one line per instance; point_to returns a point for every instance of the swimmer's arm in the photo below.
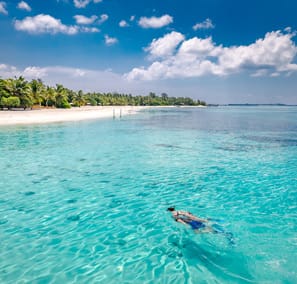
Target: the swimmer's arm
pixel 181 221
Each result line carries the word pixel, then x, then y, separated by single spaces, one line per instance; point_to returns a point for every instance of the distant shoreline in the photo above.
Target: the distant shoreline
pixel 55 115
pixel 257 105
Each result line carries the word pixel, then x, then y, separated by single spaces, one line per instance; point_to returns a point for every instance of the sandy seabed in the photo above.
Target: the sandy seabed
pixel 40 116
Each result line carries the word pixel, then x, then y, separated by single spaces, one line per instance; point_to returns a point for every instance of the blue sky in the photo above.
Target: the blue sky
pixel 219 51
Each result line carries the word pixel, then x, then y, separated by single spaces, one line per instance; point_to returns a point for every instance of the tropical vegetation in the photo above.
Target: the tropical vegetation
pixel 20 93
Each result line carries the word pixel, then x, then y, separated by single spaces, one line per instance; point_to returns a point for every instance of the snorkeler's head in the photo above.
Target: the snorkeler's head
pixel 171 209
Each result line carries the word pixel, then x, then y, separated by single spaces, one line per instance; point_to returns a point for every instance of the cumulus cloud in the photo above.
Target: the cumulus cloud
pixel 24 6
pixel 123 24
pixel 44 24
pixel 155 22
pixel 103 18
pixel 164 47
pixel 7 71
pixel 82 20
pixel 2 8
pixel 132 18
pixel 207 24
pixel 84 3
pixel 110 40
pixel 41 24
pixel 272 55
pixel 34 72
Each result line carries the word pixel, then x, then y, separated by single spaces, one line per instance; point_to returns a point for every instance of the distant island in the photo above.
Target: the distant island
pixel 249 105
pixel 277 104
pixel 19 93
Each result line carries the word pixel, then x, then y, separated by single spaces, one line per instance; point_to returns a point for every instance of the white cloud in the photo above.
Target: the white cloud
pixel 80 19
pixel 155 22
pixel 165 46
pixel 44 24
pixel 207 24
pixel 89 30
pixel 81 3
pixel 41 24
pixel 2 8
pixel 84 3
pixel 7 71
pixel 272 55
pixel 24 6
pixel 34 72
pixel 110 40
pixel 103 18
pixel 123 24
pixel 132 18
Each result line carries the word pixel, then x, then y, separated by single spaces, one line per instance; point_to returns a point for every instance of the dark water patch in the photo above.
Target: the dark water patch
pixel 55 241
pixel 22 209
pixel 109 195
pixel 71 200
pixel 82 160
pixel 285 142
pixel 114 242
pixel 143 194
pixel 73 218
pixel 151 186
pixel 104 181
pixel 73 189
pixel 121 242
pixel 63 180
pixel 2 222
pixel 115 203
pixel 232 148
pixel 47 177
pixel 171 146
pixel 29 193
pixel 36 181
pixel 31 174
pixel 166 145
pixel 19 208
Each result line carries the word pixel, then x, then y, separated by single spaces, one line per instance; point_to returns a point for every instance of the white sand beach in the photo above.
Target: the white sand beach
pixel 40 116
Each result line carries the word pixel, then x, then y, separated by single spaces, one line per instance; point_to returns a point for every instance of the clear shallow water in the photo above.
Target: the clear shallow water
pixel 86 202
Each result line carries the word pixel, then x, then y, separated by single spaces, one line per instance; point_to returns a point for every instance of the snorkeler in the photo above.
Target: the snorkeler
pixel 188 218
pixel 199 225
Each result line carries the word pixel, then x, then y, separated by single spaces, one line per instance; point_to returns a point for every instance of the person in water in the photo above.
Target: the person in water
pixel 199 225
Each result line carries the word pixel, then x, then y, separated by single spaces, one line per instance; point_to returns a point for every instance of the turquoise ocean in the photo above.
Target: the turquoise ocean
pixel 85 202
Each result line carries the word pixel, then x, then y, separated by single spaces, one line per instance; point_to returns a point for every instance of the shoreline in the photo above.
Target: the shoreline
pixel 44 116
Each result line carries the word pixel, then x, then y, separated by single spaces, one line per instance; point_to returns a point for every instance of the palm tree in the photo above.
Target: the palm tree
pixel 79 99
pixel 38 90
pixel 20 88
pixel 49 96
pixel 4 92
pixel 61 97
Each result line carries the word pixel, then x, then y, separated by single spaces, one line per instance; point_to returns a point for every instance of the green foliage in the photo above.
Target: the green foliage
pixel 10 102
pixel 26 94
